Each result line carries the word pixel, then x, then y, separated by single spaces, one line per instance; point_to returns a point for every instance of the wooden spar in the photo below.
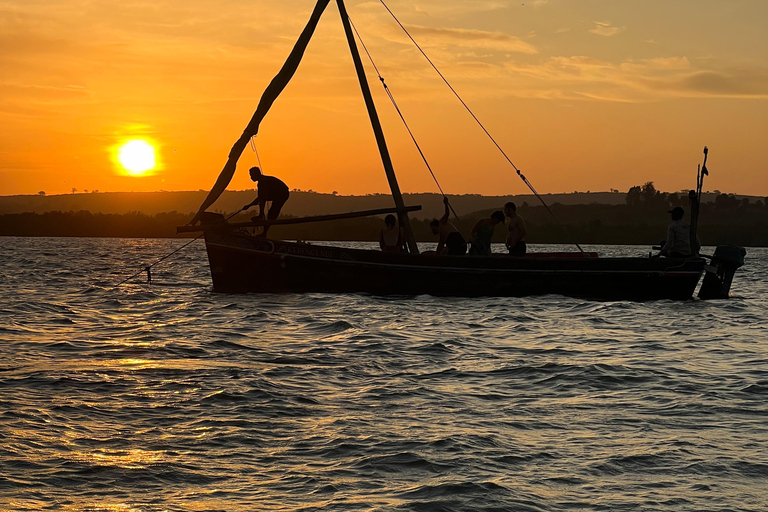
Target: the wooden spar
pixel 304 220
pixel 402 212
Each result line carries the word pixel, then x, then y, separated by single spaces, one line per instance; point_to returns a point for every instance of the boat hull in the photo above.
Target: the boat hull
pixel 247 264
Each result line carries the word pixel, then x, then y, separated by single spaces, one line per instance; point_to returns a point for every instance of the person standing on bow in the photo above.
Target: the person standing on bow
pixel 270 189
pixel 516 231
pixel 481 234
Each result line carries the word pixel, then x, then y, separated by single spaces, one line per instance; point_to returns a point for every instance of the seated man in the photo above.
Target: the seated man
pixel 391 237
pixel 450 240
pixel 516 231
pixel 678 243
pixel 270 189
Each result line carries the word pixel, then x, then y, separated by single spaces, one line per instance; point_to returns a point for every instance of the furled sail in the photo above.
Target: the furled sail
pixel 273 90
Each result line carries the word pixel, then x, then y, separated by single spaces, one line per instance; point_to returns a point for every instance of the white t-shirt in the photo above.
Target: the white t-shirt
pixel 679 238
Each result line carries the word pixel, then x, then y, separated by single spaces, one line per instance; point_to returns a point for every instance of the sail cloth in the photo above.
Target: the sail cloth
pixel 273 90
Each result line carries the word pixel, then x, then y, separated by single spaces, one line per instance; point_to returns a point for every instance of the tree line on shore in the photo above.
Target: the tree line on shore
pixel 642 220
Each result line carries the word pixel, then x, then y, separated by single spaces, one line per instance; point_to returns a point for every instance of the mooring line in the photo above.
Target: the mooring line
pixel 148 269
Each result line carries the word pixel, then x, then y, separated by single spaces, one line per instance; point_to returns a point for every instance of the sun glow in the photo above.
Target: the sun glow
pixel 137 157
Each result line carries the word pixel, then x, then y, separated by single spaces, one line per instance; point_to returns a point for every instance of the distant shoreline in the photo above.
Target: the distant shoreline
pixel 300 204
pixel 723 223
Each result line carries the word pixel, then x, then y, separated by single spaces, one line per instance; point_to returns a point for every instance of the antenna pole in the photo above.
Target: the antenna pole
pixel 377 130
pixel 695 197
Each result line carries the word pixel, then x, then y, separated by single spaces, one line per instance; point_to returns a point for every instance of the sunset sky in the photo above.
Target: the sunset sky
pixel 581 94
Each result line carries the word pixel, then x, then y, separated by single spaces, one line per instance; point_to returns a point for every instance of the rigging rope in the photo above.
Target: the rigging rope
pixel 253 147
pixel 519 173
pixel 402 117
pixel 148 269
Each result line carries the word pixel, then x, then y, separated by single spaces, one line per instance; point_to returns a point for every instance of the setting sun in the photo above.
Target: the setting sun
pixel 137 157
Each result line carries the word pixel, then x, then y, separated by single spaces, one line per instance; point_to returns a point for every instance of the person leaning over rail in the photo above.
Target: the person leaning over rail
pixel 516 231
pixel 450 241
pixel 678 243
pixel 270 189
pixel 481 234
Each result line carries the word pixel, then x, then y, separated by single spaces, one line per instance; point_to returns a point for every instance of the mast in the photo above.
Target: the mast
pixel 402 213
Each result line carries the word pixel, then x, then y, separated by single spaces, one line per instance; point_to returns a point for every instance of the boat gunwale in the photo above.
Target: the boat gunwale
pixel 472 264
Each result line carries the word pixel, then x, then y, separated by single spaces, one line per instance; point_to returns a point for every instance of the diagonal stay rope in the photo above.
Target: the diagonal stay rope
pixel 253 147
pixel 519 173
pixel 402 117
pixel 148 269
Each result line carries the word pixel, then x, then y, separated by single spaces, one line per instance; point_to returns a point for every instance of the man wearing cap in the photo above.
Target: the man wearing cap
pixel 678 243
pixel 270 189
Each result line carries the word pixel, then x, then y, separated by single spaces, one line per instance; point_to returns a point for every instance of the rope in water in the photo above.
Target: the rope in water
pixel 519 173
pixel 148 269
pixel 402 117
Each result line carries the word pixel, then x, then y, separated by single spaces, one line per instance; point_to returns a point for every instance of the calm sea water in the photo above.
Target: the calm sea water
pixel 171 397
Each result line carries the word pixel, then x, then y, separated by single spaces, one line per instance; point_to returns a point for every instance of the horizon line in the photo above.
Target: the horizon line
pixel 310 191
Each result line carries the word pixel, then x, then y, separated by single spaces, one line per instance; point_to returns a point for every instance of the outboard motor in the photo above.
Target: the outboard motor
pixel 719 273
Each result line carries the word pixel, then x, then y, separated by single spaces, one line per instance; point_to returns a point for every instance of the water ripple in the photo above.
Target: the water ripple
pixel 170 397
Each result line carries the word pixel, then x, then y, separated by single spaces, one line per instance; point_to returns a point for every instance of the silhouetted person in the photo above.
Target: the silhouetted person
pixel 392 238
pixel 516 231
pixel 270 189
pixel 450 240
pixel 678 243
pixel 482 232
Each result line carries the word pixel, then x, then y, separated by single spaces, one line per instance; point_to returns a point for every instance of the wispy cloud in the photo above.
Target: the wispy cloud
pixel 442 7
pixel 656 64
pixel 633 80
pixel 604 28
pixel 479 39
pixel 726 83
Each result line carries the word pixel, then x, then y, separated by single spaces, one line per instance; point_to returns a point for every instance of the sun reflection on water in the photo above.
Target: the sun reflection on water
pixel 135 458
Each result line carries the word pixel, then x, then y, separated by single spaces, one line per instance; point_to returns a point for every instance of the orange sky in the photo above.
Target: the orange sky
pixel 581 94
